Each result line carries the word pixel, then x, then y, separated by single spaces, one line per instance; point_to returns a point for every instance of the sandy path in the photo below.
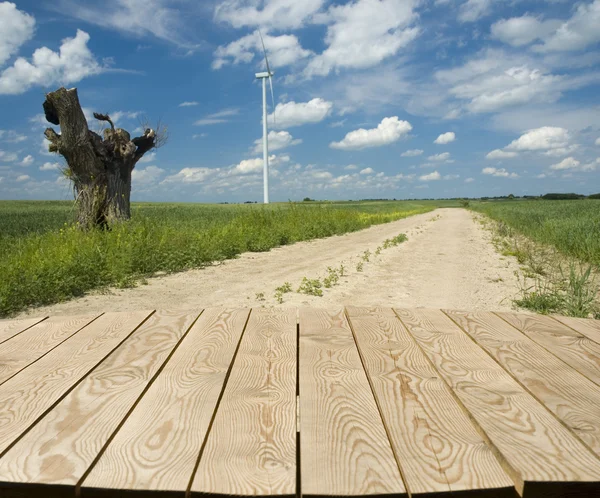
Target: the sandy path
pixel 447 262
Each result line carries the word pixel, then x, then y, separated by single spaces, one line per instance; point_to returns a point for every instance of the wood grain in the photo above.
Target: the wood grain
pixel 569 395
pixel 570 346
pixel 438 448
pixel 62 446
pixel 538 452
pixel 35 342
pixel 27 396
pixel 158 446
pixel 10 328
pixel 344 449
pixel 251 446
pixel 585 326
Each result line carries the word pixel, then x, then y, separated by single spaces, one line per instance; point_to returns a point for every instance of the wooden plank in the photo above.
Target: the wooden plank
pixel 585 326
pixel 570 346
pixel 251 446
pixel 10 328
pixel 541 455
pixel 569 395
pixel 37 341
pixel 438 448
pixel 62 446
pixel 344 449
pixel 158 446
pixel 28 396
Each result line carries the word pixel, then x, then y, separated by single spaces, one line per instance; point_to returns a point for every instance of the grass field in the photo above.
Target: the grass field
pixel 566 283
pixel 46 259
pixel 573 227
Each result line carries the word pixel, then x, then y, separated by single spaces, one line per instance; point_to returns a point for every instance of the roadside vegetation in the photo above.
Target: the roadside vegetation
pixel 45 258
pixel 557 244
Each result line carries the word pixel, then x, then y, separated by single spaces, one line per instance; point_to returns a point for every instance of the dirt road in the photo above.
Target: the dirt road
pixel 447 262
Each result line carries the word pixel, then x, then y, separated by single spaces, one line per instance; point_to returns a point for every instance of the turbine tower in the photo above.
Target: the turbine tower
pixel 263 76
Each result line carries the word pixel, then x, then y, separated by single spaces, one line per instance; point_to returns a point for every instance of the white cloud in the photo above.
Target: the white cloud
pixel 27 160
pixel 445 138
pixel 561 151
pixel 469 180
pixel 147 175
pixel 412 153
pixel 16 27
pixel 500 172
pixel 544 138
pixel 191 175
pixel 116 116
pixel 431 176
pixel 282 50
pixel 148 158
pixel 296 114
pixel 597 142
pixel 277 140
pixel 541 175
pixel 280 14
pixel 367 171
pixel 568 163
pixel 577 33
pixel 159 18
pixel 23 178
pixel 451 177
pixel 388 131
pixel 72 63
pixel 188 104
pixel 472 10
pixel 8 157
pixel 501 154
pixel 217 117
pixel 519 31
pixel 351 167
pixel 444 156
pixel 363 33
pixel 49 166
pixel 11 136
pixel 256 165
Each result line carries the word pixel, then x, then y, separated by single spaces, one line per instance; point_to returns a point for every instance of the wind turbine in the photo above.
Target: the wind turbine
pixel 263 76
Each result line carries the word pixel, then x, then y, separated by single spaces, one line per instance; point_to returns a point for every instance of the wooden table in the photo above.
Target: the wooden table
pixel 290 402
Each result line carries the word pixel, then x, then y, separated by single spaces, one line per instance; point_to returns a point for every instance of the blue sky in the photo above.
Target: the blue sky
pixel 374 98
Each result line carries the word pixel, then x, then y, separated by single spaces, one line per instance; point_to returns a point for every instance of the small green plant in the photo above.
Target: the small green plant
pixel 281 290
pixel 260 296
pixel 398 239
pixel 366 255
pixel 312 287
pixel 465 203
pixel 387 243
pixel 342 270
pixel 332 277
pixel 378 251
pixel 359 266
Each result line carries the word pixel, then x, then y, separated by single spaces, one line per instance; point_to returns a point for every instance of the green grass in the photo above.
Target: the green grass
pixel 573 227
pixel 45 259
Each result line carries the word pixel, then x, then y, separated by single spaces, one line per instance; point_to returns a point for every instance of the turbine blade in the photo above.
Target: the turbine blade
pixel 272 99
pixel 264 51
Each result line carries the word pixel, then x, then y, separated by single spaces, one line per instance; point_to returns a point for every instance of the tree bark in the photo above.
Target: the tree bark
pixel 99 167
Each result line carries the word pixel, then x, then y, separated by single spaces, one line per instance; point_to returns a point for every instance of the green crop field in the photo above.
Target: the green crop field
pixel 45 259
pixel 573 227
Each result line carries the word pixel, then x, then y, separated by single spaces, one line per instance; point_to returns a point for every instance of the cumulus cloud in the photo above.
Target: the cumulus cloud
pixel 444 156
pixel 577 33
pixel 8 157
pixel 147 175
pixel 16 27
pixel 388 131
pixel 72 63
pixel 469 180
pixel 500 172
pixel 280 14
pixel 23 178
pixel 445 138
pixel 363 33
pixel 256 165
pixel 367 171
pixel 412 153
pixel 568 163
pixel 597 142
pixel 501 154
pixel 473 10
pixel 282 50
pixel 27 160
pixel 49 166
pixel 295 114
pixel 11 136
pixel 544 138
pixel 351 167
pixel 191 175
pixel 431 176
pixel 277 140
pixel 519 31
